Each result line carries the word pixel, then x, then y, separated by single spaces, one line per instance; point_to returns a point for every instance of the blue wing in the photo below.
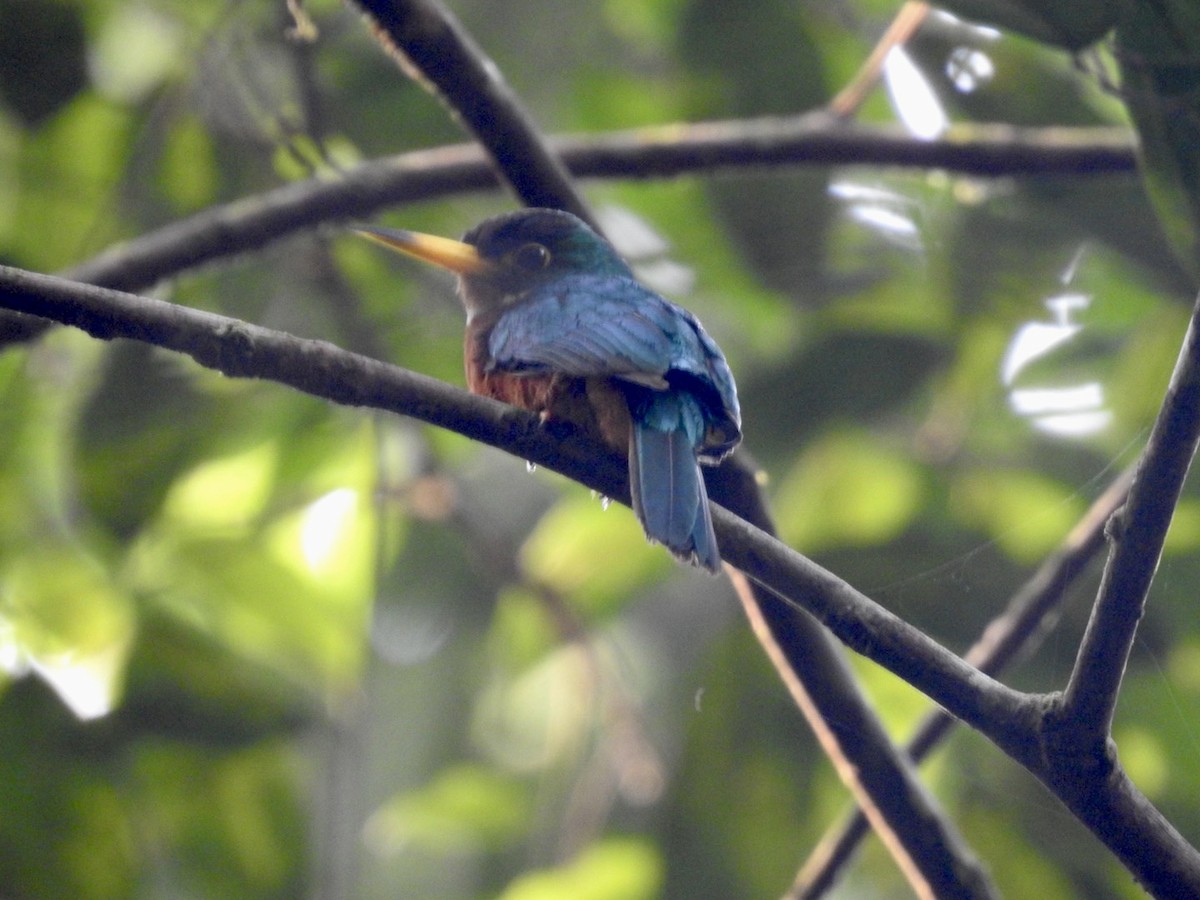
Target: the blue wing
pixel 597 325
pixel 587 325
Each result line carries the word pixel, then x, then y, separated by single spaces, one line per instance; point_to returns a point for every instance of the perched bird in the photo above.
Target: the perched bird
pixel 557 324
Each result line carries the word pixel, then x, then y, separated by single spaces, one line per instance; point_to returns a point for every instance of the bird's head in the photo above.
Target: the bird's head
pixel 503 258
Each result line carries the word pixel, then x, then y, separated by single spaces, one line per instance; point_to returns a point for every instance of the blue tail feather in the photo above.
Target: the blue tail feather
pixel 669 497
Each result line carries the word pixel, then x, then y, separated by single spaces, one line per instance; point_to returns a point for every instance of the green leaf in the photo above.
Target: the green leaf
pixel 466 805
pixel 850 488
pixel 612 869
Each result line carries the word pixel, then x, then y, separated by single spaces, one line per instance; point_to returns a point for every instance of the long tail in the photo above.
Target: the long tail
pixel 669 497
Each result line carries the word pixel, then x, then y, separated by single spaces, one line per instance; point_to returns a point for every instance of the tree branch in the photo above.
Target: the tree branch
pixel 657 152
pixel 434 49
pixel 1023 726
pixel 1137 533
pixel 1015 632
pixel 802 647
pixel 1028 728
pixel 818 677
pixel 243 350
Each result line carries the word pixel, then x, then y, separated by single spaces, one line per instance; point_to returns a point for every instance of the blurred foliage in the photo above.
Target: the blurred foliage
pixel 254 645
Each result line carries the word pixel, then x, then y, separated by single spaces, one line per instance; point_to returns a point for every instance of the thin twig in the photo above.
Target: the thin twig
pixel 848 100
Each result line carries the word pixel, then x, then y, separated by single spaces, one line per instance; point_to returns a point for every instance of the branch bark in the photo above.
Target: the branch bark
pixel 243 350
pixel 1137 533
pixel 437 52
pixel 1026 727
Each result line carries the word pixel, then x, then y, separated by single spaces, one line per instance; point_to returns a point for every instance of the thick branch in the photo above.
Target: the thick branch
pixel 243 350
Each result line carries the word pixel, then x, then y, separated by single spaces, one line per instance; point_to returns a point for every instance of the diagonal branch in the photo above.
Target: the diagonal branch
pixel 243 350
pixel 1137 535
pixel 908 20
pixel 435 50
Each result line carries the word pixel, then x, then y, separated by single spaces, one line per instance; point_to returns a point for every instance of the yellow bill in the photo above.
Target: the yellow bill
pixel 445 252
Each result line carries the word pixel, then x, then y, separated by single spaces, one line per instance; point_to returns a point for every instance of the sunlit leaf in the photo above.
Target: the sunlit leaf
pixel 615 869
pixel 849 489
pixel 465 805
pixel 592 554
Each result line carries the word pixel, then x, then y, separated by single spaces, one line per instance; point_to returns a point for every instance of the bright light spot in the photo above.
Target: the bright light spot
pixel 1038 401
pixel 973 29
pixel 1033 339
pixel 632 235
pixel 137 49
pixel 969 69
pixel 325 520
pixel 667 276
pixel 87 685
pixel 1079 424
pixel 12 660
pixel 851 190
pixel 1072 411
pixel 408 635
pixel 886 220
pixel 1064 304
pixel 1036 339
pixel 881 210
pixel 636 240
pixel 912 96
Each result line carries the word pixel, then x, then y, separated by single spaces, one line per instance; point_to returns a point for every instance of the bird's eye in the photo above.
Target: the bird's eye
pixel 532 257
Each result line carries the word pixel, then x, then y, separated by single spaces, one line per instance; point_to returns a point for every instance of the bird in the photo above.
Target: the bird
pixel 558 324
